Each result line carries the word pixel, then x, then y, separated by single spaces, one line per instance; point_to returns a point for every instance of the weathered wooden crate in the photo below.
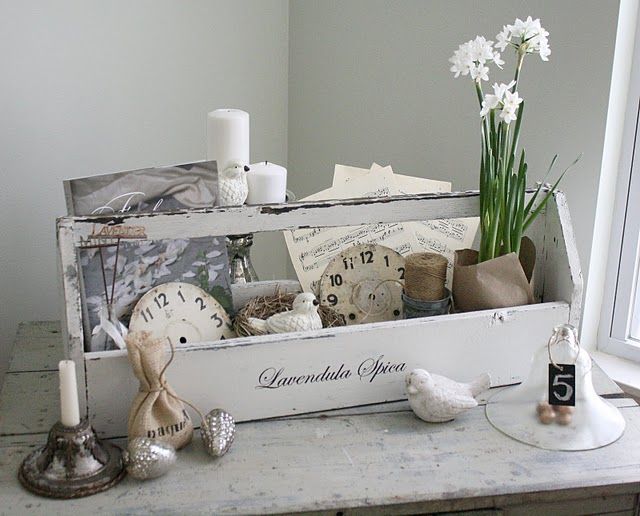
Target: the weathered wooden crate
pixel 330 368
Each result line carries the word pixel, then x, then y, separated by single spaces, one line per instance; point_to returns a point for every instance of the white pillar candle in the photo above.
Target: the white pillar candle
pixel 69 408
pixel 267 183
pixel 228 137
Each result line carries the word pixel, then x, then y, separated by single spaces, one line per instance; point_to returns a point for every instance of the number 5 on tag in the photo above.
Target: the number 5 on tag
pixel 562 384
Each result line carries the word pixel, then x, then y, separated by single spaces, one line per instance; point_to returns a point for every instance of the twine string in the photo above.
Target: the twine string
pixel 553 340
pixel 163 383
pixel 425 276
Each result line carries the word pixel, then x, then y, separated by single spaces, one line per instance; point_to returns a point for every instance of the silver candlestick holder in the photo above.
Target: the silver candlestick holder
pixel 73 463
pixel 240 267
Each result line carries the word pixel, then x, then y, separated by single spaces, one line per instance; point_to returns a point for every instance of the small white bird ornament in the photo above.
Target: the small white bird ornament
pixel 303 317
pixel 233 185
pixel 437 399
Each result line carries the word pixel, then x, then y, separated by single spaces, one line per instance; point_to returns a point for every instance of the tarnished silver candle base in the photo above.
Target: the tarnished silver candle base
pixel 74 463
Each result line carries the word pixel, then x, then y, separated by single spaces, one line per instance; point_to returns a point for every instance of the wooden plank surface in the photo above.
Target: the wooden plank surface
pixel 38 347
pixel 394 461
pixel 353 460
pixel 29 402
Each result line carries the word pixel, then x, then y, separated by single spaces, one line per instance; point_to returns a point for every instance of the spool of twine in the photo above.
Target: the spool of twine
pixel 425 275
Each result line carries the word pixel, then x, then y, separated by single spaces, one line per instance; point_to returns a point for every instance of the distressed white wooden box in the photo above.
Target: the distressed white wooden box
pixel 331 368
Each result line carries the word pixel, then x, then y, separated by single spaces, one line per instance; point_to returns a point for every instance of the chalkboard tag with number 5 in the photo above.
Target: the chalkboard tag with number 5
pixel 562 384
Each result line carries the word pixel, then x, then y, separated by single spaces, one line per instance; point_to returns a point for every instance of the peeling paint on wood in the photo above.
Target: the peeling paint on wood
pixel 227 371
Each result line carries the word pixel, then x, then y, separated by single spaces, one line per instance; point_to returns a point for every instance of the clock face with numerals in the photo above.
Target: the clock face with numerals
pixel 364 283
pixel 181 312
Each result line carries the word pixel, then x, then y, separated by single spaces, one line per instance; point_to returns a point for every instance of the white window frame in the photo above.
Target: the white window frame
pixel 621 293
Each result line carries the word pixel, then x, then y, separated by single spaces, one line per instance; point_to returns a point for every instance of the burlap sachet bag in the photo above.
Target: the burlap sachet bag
pixel 156 412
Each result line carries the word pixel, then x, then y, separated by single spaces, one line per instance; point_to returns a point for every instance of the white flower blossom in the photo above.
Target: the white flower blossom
pixel 500 89
pixel 511 99
pixel 526 36
pixel 503 38
pixel 510 104
pixel 503 99
pixel 479 73
pixel 508 115
pixel 471 59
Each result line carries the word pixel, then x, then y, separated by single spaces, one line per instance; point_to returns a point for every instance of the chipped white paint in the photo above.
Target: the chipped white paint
pixel 562 273
pixel 350 461
pixel 245 374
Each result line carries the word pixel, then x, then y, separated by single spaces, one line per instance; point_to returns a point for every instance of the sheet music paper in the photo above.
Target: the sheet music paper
pixel 442 236
pixel 312 249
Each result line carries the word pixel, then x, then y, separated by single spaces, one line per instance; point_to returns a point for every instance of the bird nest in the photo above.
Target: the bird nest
pixel 264 307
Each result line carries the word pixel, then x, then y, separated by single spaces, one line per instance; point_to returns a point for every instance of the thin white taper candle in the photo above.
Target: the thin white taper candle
pixel 69 407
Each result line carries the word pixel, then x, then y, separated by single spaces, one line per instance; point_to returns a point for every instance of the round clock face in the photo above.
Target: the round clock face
pixel 362 283
pixel 181 312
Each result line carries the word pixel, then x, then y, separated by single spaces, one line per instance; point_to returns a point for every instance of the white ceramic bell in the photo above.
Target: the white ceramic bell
pixel 595 422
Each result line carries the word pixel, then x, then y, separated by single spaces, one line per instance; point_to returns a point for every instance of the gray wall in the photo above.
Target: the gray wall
pixel 90 87
pixel 369 81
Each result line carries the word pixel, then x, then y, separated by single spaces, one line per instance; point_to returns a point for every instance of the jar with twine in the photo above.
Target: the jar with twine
pixel 425 293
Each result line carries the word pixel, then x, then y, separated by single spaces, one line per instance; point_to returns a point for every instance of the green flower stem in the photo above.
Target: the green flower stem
pixel 516 76
pixel 505 214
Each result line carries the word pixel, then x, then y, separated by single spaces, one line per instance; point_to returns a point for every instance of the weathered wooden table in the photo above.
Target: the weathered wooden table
pixel 380 459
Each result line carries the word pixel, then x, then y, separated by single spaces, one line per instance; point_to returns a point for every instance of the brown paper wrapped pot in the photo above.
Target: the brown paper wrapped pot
pixel 497 283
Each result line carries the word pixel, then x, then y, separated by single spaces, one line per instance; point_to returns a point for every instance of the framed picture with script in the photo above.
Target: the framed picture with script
pixel 118 268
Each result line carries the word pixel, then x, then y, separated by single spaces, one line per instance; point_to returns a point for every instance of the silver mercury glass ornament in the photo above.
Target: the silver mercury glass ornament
pixel 148 458
pixel 218 430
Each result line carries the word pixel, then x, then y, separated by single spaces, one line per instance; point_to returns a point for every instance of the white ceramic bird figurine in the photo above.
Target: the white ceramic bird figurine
pixel 233 185
pixel 437 399
pixel 303 317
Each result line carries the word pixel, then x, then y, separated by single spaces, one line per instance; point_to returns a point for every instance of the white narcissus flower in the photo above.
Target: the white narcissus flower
pixel 511 99
pixel 492 101
pixel 544 49
pixel 508 116
pixel 529 35
pixel 510 105
pixel 526 29
pixel 481 50
pixel 461 61
pixel 471 57
pixel 479 73
pixel 503 38
pixel 500 89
